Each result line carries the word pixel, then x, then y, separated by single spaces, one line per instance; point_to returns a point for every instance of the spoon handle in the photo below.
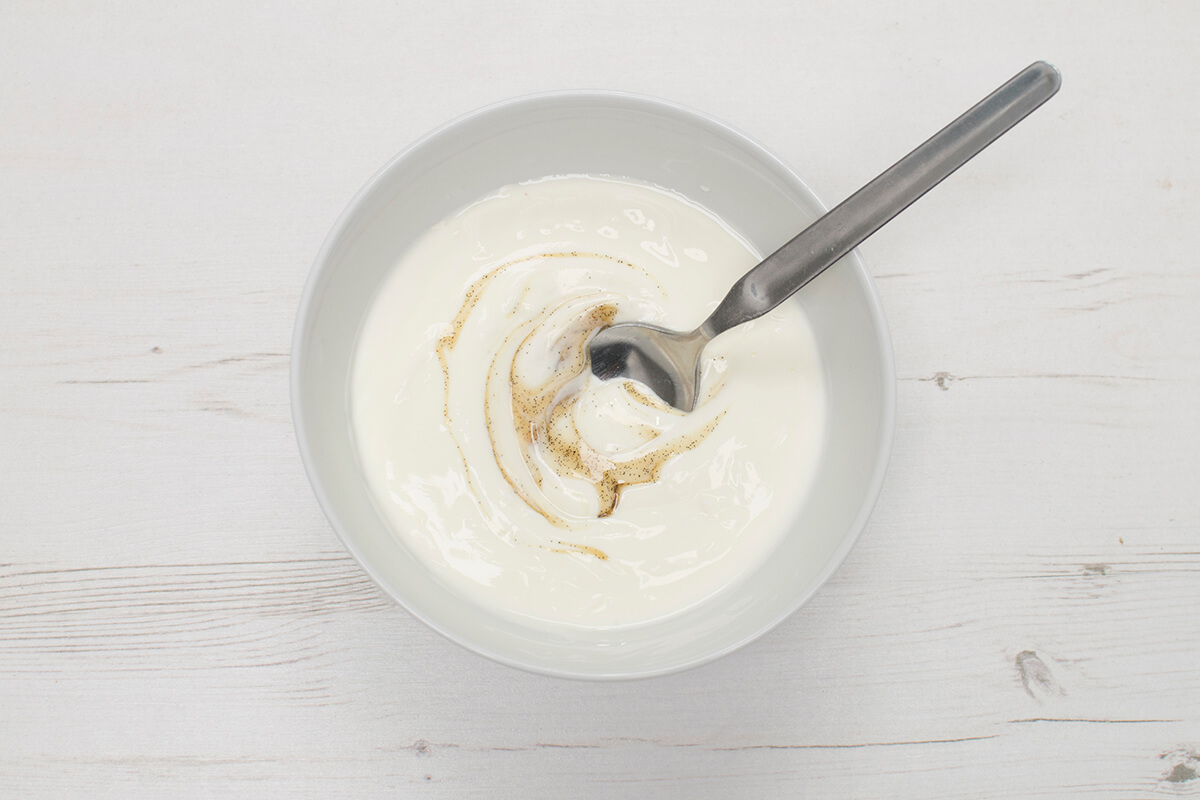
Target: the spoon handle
pixel 838 232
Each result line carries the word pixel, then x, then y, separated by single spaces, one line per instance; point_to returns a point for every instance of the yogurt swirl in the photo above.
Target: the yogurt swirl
pixel 536 488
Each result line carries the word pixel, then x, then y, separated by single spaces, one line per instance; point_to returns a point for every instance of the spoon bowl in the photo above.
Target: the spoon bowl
pixel 668 362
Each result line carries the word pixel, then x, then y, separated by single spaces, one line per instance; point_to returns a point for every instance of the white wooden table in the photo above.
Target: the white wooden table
pixel 1020 619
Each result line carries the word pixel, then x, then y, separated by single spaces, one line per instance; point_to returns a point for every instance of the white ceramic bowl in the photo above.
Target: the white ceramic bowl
pixel 615 134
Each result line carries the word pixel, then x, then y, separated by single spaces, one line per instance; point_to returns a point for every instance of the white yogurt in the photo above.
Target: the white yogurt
pixel 537 490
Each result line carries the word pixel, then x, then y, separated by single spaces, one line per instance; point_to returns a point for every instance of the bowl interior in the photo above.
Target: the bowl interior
pixel 613 134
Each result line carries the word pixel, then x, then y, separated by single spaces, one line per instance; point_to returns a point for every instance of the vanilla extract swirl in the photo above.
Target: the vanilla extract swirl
pixel 552 427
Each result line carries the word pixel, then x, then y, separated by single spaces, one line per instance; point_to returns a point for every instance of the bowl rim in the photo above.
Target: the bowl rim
pixel 308 308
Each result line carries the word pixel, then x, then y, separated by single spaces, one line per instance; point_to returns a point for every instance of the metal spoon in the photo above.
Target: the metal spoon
pixel 669 361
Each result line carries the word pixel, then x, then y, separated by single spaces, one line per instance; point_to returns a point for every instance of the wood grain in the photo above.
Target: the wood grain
pixel 177 619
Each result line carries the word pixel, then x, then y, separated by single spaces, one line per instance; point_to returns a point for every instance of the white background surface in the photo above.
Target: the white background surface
pixel 177 619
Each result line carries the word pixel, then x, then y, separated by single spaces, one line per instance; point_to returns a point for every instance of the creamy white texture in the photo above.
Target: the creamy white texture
pixel 534 488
